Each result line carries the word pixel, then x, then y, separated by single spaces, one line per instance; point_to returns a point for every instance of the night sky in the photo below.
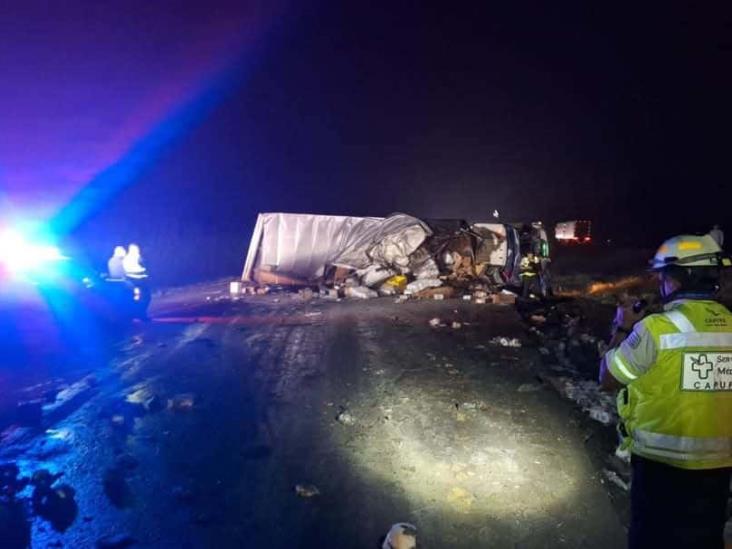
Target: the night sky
pixel 185 120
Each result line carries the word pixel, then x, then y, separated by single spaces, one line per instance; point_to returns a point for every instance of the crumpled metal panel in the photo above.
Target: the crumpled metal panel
pixel 493 244
pixel 389 243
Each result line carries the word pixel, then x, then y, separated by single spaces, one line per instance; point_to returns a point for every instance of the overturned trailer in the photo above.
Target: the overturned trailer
pixel 307 249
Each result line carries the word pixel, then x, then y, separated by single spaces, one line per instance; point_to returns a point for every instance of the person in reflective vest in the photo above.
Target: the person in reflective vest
pixel 674 372
pixel 132 263
pixel 529 275
pixel 115 264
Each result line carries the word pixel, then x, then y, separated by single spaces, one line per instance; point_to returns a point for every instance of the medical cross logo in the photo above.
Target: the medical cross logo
pixel 707 372
pixel 702 366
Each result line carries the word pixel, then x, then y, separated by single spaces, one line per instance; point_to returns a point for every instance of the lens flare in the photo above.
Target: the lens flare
pixel 20 255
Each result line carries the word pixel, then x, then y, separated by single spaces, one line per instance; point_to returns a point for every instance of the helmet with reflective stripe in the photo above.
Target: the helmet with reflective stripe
pixel 689 251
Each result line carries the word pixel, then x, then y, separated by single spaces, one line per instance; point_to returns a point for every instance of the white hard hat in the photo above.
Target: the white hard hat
pixel 689 251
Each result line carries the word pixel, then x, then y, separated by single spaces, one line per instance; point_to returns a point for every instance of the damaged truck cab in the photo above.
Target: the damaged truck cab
pixel 498 253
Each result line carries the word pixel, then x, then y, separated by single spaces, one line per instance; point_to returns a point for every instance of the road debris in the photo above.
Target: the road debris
pixel 503 298
pixel 613 477
pixel 182 402
pixel 435 322
pixel 479 405
pixel 401 535
pixel 69 399
pixel 598 414
pixel 587 394
pixel 422 284
pixel 345 418
pixel 360 292
pixel 306 294
pixel 307 490
pixel 506 341
pixel 529 387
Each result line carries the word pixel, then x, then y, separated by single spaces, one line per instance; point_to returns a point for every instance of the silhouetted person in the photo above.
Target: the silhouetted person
pixel 115 265
pixel 132 263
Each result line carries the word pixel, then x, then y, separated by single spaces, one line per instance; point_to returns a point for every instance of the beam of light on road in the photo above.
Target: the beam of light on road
pixel 465 463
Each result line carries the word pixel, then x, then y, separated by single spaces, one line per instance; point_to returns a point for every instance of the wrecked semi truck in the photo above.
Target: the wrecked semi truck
pixel 369 252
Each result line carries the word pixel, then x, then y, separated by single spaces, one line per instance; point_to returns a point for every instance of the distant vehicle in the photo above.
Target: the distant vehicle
pixel 573 232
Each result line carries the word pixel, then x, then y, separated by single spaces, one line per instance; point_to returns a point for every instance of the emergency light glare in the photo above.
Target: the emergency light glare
pixel 19 256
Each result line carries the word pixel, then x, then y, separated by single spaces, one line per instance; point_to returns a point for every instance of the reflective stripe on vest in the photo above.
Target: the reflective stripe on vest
pixel 695 339
pixel 622 367
pixel 682 448
pixel 680 321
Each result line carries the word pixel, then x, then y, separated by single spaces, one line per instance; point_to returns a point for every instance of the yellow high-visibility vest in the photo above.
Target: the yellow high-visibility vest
pixel 679 411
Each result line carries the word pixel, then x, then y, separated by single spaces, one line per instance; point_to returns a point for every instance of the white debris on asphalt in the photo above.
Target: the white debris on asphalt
pixel 307 490
pixel 506 342
pixel 182 402
pixel 435 322
pixel 587 394
pixel 456 325
pixel 529 387
pixel 598 414
pixel 360 292
pixel 427 270
pixel 401 535
pixel 345 418
pixel 613 477
pixel 422 284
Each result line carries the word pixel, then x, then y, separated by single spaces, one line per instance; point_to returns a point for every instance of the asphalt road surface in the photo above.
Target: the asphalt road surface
pixel 196 428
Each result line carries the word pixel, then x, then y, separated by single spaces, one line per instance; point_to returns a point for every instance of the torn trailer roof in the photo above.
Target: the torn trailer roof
pixel 301 249
pixel 297 248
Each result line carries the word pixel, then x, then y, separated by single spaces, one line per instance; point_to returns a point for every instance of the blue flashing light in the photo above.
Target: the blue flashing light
pixel 22 257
